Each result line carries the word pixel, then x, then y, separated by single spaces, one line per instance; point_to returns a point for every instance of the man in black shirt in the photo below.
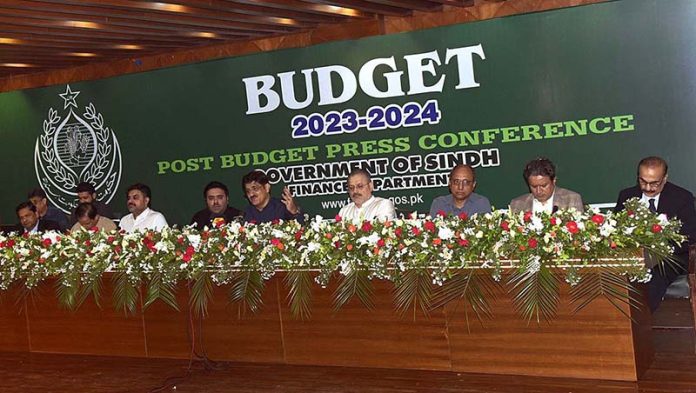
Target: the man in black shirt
pixel 218 212
pixel 264 208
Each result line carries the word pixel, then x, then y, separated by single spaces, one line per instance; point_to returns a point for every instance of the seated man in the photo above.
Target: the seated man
pixel 38 197
pixel 462 198
pixel 364 205
pixel 30 221
pixel 216 198
pixel 264 208
pixel 141 217
pixel 663 197
pixel 540 175
pixel 87 193
pixel 88 218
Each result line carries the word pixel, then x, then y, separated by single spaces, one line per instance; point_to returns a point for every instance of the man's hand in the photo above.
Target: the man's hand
pixel 289 202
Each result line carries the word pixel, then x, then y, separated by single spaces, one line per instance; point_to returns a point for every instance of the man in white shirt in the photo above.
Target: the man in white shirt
pixel 544 196
pixel 365 206
pixel 141 217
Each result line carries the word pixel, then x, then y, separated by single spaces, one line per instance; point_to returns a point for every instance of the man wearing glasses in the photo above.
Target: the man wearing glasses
pixel 544 196
pixel 663 197
pixel 462 199
pixel 365 206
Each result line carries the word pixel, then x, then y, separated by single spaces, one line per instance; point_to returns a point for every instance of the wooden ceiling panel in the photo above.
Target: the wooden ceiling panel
pixel 46 35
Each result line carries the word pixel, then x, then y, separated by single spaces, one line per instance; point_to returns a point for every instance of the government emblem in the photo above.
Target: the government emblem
pixel 75 148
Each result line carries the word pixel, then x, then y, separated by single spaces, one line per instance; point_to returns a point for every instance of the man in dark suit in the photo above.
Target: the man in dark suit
pixel 218 211
pixel 663 197
pixel 544 196
pixel 29 219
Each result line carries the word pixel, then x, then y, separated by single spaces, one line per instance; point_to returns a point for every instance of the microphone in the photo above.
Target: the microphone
pixel 555 209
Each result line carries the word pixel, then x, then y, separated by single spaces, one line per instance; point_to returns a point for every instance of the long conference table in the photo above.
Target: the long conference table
pixel 599 342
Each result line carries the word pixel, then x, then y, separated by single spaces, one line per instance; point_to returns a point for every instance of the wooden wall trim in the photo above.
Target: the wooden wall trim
pixel 482 10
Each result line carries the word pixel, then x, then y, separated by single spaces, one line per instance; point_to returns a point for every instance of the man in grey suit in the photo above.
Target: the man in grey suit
pixel 540 175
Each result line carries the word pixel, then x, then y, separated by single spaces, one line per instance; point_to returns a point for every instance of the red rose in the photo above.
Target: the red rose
pixel 2 244
pixel 553 221
pixel 441 213
pixel 94 229
pixel 612 244
pixel 398 232
pixel 117 249
pixel 437 241
pixel 275 222
pixel 275 241
pixel 463 216
pixel 572 227
pixel 505 225
pixel 429 226
pixel 338 218
pixel 88 243
pixel 381 243
pixel 366 226
pixel 528 216
pixel 463 242
pixel 656 228
pixel 298 235
pixel 327 235
pixel 349 247
pixel 416 231
pixel 337 244
pixel 630 213
pixel 186 258
pixel 10 243
pixel 598 219
pixel 533 243
pixel 352 228
pixel 46 242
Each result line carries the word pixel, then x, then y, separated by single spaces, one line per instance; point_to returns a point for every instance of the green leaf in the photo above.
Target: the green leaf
pixel 356 283
pixel 95 288
pixel 158 289
pixel 125 294
pixel 67 287
pixel 607 283
pixel 299 284
pixel 201 293
pixel 536 294
pixel 414 290
pixel 247 288
pixel 474 288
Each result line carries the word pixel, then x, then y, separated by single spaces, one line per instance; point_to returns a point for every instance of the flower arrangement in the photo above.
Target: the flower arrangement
pixel 430 261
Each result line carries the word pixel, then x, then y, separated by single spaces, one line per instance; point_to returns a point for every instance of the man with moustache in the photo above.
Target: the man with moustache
pixel 141 217
pixel 544 196
pixel 217 212
pixel 264 208
pixel 462 199
pixel 663 197
pixel 364 205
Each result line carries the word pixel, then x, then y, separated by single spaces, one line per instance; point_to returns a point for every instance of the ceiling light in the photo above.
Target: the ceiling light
pixel 337 10
pixel 16 65
pixel 82 54
pixel 168 7
pixel 10 41
pixel 284 21
pixel 81 24
pixel 128 47
pixel 203 34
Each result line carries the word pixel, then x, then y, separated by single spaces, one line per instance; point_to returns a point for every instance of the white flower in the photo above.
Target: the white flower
pixel 194 239
pixel 536 224
pixel 445 233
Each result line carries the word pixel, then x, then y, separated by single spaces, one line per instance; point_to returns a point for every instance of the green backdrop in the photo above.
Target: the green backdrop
pixel 630 61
